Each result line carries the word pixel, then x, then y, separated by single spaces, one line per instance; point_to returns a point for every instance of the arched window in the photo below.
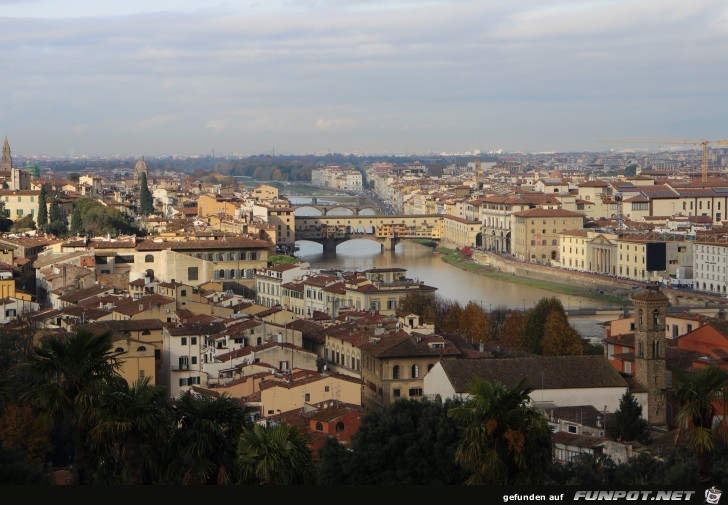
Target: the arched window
pixel 340 426
pixel 655 349
pixel 183 292
pixel 259 340
pixel 415 371
pixel 141 348
pixel 656 318
pixel 395 372
pixel 429 367
pixel 221 274
pixel 319 426
pixel 149 258
pixel 639 319
pixel 119 349
pixel 232 274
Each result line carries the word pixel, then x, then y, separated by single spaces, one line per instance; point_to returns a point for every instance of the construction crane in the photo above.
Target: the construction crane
pixel 703 143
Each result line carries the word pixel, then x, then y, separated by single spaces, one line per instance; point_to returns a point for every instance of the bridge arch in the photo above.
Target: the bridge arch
pixel 308 210
pixel 339 211
pixel 367 211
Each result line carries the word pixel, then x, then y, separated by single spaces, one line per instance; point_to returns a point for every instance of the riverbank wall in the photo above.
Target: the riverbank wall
pixel 586 280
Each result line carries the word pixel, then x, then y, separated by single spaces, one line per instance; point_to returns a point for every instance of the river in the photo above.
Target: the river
pixel 453 283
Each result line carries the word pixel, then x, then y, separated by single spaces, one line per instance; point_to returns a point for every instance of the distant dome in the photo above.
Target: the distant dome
pixel 141 165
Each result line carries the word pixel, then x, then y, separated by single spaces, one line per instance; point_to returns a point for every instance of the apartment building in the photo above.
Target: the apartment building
pixel 536 233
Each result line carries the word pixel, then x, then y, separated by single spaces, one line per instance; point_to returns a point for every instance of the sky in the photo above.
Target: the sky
pixel 241 77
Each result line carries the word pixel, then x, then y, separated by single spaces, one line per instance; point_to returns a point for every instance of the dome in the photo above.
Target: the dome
pixel 141 165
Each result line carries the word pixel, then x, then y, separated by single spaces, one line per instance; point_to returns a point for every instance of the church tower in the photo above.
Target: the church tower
pixel 649 351
pixel 7 161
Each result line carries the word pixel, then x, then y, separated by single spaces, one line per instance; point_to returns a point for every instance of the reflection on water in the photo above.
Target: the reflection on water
pixel 423 264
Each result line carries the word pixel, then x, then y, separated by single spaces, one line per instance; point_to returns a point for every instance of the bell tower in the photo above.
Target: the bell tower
pixel 649 351
pixel 7 161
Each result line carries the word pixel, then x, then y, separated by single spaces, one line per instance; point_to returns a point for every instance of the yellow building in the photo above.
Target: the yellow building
pixel 394 365
pixel 210 205
pixel 590 251
pixel 536 233
pixel 459 232
pixel 19 204
pixel 279 213
pixel 293 391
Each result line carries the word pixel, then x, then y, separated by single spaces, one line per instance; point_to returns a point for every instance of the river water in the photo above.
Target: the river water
pixel 453 283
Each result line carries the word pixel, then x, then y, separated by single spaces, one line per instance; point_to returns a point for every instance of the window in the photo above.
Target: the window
pixel 415 392
pixel 193 340
pixel 319 426
pixel 183 292
pixel 571 428
pixel 124 259
pixel 141 348
pixel 396 393
pixel 307 397
pixel 184 341
pixel 149 258
pixel 415 371
pixel 141 374
pixel 119 349
pixel 326 389
pixel 193 360
pixel 395 372
pixel 192 273
pixel 340 426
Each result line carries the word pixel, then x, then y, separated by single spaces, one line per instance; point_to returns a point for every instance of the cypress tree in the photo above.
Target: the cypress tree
pixel 76 222
pixel 145 198
pixel 42 208
pixel 58 223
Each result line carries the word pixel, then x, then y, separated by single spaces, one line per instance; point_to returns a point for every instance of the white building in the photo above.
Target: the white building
pixel 710 260
pixel 560 381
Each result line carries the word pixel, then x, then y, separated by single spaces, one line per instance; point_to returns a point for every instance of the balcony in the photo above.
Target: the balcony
pixel 180 367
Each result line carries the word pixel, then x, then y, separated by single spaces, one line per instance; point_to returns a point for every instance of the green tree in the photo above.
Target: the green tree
pixel 628 421
pixel 42 208
pixel 74 176
pixel 133 423
pixel 334 464
pixel 146 204
pixel 277 455
pixel 76 222
pixel 505 441
pixel 58 224
pixel 535 321
pixel 407 442
pixel 66 377
pixel 559 337
pixel 202 449
pixel 701 394
pixel 23 224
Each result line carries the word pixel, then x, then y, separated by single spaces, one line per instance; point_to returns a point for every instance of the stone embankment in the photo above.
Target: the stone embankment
pixel 610 285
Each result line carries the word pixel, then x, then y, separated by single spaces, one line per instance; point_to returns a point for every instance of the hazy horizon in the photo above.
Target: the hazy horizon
pixel 359 76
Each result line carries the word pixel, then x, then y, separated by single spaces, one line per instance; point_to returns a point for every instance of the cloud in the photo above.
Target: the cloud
pixel 343 73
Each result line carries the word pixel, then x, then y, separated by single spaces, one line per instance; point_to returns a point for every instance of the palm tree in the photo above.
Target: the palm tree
pixel 133 423
pixel 66 377
pixel 203 443
pixel 278 455
pixel 701 396
pixel 504 441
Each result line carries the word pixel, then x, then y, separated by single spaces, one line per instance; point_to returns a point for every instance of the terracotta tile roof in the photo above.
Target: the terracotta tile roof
pixel 194 329
pixel 540 372
pixel 584 441
pixel 548 213
pixel 401 344
pixel 309 330
pixel 79 294
pixel 117 327
pixel 141 304
pixel 193 245
pixel 581 414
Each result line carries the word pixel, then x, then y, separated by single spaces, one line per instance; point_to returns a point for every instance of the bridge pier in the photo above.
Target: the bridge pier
pixel 389 243
pixel 330 245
